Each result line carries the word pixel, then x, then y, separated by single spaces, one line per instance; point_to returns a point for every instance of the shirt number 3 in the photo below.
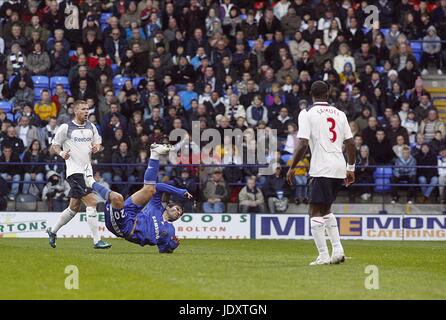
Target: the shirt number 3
pixel 332 129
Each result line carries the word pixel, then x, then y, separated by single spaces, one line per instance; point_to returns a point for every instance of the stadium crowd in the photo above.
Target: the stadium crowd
pixel 148 67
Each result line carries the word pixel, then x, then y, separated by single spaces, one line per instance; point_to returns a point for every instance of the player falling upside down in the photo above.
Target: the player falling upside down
pixel 142 219
pixel 325 129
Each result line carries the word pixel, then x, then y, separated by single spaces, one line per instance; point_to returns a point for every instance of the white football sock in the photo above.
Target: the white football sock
pixel 92 220
pixel 64 218
pixel 331 225
pixel 318 231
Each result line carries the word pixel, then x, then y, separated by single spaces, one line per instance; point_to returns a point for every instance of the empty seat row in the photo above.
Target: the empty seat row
pixel 119 81
pixel 44 82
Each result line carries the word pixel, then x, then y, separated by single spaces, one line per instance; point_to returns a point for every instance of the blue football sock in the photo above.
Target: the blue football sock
pixel 104 192
pixel 151 174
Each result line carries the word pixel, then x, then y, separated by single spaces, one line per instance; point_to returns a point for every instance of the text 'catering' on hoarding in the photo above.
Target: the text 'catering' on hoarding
pixel 362 227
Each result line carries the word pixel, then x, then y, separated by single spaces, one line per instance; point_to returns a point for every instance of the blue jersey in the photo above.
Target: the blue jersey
pixel 144 225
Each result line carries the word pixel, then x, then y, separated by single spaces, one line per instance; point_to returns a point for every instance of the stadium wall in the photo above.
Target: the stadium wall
pixel 243 226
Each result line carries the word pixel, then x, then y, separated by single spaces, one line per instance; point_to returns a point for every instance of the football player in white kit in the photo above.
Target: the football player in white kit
pixel 325 129
pixel 79 139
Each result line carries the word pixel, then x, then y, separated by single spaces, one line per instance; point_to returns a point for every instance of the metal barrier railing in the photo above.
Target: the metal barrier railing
pixel 60 164
pixel 386 185
pixel 109 164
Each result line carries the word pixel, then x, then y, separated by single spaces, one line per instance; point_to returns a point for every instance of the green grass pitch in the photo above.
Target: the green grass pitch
pixel 220 269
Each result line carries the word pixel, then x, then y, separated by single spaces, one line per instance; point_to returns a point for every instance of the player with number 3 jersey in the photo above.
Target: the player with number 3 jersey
pixel 325 129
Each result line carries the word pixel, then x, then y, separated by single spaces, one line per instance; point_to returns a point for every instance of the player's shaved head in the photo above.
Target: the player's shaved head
pixel 79 103
pixel 319 90
pixel 80 108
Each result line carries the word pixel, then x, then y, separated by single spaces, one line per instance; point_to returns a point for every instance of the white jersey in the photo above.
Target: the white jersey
pixel 78 139
pixel 326 128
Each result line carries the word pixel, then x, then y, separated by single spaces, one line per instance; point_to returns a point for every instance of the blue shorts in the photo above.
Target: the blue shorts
pixel 120 221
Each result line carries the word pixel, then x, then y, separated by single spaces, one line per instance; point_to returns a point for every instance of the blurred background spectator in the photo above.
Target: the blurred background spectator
pixel 251 198
pixel 215 193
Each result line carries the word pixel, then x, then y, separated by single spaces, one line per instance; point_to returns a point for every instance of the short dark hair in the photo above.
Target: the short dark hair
pixel 319 90
pixel 175 204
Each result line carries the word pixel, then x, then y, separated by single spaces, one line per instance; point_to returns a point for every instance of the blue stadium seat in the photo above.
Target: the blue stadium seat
pixel 119 81
pixel 251 43
pixel 417 56
pixel 383 172
pixel 136 81
pixel 267 43
pixel 416 46
pixel 285 158
pixel 379 69
pixel 50 39
pixel 10 116
pixel 408 94
pixel 385 31
pixel 382 185
pixel 382 177
pixel 104 17
pixel 11 79
pixel 114 68
pixel 37 93
pixel 71 53
pixel 54 81
pixel 41 82
pixel 103 20
pixel 5 106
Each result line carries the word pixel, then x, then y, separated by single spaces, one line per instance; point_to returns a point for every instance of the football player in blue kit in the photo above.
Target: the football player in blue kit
pixel 142 218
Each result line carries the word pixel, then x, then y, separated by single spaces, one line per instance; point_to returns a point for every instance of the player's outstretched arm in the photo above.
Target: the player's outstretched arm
pixel 180 193
pixel 299 152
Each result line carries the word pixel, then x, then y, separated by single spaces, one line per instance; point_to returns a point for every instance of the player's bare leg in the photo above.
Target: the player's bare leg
pixel 65 217
pixel 143 195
